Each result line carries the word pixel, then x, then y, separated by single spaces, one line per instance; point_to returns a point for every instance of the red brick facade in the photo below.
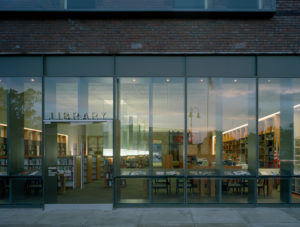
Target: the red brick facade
pixel 278 34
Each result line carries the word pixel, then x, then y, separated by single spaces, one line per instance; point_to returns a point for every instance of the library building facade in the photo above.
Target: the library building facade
pixel 112 102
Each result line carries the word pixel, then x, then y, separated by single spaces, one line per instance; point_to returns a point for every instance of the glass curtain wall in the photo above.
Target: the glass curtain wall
pixel 240 147
pixel 227 161
pixel 21 140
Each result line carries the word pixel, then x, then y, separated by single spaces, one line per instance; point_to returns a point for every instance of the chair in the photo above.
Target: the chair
pixel 261 186
pixel 235 185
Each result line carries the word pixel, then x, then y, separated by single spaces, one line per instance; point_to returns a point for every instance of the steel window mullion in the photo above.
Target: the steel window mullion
pixel 150 142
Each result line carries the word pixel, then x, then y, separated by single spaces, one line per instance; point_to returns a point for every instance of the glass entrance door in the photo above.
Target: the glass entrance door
pixel 78 159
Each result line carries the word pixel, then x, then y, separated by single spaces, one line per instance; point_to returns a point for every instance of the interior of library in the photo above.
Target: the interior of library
pixel 220 140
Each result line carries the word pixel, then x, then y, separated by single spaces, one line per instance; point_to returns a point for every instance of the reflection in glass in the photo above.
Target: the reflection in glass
pixel 21 103
pixel 4 190
pixel 78 98
pixel 134 116
pixel 279 102
pixel 296 190
pixel 168 125
pixel 269 190
pixel 239 143
pixel 167 189
pixel 29 191
pixel 235 190
pixel 133 190
pixel 220 108
pixel 202 190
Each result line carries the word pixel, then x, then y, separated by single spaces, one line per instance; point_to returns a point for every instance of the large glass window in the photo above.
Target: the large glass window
pixel 21 113
pixel 21 140
pixel 168 125
pixel 221 126
pixel 78 140
pixel 78 98
pixel 153 108
pixel 134 116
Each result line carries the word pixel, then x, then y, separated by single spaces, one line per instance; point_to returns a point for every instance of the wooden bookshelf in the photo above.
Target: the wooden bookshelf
pixel 62 142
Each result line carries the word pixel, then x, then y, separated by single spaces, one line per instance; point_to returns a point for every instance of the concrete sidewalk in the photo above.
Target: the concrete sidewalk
pixel 146 217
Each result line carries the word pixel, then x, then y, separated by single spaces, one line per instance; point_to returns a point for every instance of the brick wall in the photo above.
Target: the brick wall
pixel 280 34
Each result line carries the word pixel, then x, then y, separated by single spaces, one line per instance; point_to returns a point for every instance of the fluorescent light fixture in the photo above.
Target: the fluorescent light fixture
pixel 260 119
pixel 297 106
pixel 59 134
pixel 242 126
pixel 268 116
pixel 125 152
pixel 5 125
pixel 31 129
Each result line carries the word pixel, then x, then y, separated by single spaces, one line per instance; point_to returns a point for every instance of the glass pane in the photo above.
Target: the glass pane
pixel 237 190
pixel 202 190
pixel 168 125
pixel 21 100
pixel 279 100
pixel 133 190
pixel 27 191
pixel 82 170
pixel 134 116
pixel 296 156
pixel 239 141
pixel 296 190
pixel 4 191
pixel 78 98
pixel 221 110
pixel 202 119
pixel 168 190
pixel 274 190
pixel 3 128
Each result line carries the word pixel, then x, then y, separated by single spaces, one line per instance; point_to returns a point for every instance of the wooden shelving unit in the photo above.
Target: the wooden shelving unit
pixel 32 149
pixel 235 145
pixel 88 169
pixel 268 142
pixel 62 141
pixel 66 167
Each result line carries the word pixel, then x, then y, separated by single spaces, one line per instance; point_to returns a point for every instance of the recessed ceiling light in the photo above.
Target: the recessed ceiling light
pixel 269 81
pixel 32 79
pixel 201 81
pixel 168 80
pixel 134 80
pixel 235 81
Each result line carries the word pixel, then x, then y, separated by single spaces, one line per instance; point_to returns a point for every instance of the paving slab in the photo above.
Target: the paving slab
pixel 217 216
pixel 169 216
pixel 156 217
pixel 266 215
pixel 294 212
